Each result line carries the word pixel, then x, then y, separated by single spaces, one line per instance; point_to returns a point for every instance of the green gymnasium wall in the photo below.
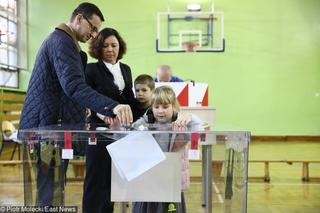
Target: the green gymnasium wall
pixel 268 79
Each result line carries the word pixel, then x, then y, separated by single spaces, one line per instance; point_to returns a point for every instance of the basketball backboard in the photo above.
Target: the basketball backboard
pixel 190 32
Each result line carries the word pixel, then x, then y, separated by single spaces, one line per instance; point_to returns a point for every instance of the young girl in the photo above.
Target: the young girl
pixel 164 111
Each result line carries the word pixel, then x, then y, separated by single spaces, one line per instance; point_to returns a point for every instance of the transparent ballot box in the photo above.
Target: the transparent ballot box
pixel 149 164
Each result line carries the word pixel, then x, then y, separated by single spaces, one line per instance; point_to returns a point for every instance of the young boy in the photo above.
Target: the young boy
pixel 143 86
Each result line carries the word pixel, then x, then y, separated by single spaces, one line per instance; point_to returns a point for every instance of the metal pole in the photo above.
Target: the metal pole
pixel 246 157
pixel 204 187
pixel 207 161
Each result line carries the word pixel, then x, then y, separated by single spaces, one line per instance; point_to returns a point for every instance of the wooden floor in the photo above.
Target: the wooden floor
pixel 285 193
pixel 262 198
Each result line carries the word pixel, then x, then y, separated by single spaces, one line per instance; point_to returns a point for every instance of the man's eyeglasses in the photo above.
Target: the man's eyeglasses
pixel 93 28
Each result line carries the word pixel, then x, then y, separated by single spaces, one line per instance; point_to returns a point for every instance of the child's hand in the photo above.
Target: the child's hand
pixel 183 120
pixel 179 128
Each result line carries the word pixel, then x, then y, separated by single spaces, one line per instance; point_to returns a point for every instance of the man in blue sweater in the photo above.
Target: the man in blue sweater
pixel 58 94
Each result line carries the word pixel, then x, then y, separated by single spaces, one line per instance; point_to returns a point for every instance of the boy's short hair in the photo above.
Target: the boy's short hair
pixel 165 95
pixel 145 79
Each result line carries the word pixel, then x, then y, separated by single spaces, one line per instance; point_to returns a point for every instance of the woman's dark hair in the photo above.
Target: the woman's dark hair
pixel 96 44
pixel 87 9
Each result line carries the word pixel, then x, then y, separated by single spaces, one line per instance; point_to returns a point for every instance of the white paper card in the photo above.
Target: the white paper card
pixel 162 183
pixel 67 153
pixel 135 154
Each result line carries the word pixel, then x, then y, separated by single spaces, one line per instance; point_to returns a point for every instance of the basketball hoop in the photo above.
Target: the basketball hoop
pixel 190 46
pixel 190 32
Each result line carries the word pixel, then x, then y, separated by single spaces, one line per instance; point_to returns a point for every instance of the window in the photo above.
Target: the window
pixel 12 41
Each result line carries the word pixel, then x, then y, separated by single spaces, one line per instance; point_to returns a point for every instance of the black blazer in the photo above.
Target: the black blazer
pixel 99 77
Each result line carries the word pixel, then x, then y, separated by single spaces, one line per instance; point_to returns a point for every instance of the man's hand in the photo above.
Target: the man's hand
pixel 108 120
pixel 124 114
pixel 113 123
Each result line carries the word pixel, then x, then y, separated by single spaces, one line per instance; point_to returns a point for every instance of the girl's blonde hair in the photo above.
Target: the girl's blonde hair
pixel 165 95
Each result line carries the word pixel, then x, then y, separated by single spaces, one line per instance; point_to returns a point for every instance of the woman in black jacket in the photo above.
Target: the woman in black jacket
pixel 111 78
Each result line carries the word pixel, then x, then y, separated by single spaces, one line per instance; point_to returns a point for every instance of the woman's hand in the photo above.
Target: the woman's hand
pixel 88 112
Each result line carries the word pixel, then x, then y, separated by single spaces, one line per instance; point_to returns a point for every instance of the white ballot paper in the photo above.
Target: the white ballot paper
pixel 162 183
pixel 135 154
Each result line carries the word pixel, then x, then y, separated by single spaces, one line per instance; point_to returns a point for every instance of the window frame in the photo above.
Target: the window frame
pixel 13 41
